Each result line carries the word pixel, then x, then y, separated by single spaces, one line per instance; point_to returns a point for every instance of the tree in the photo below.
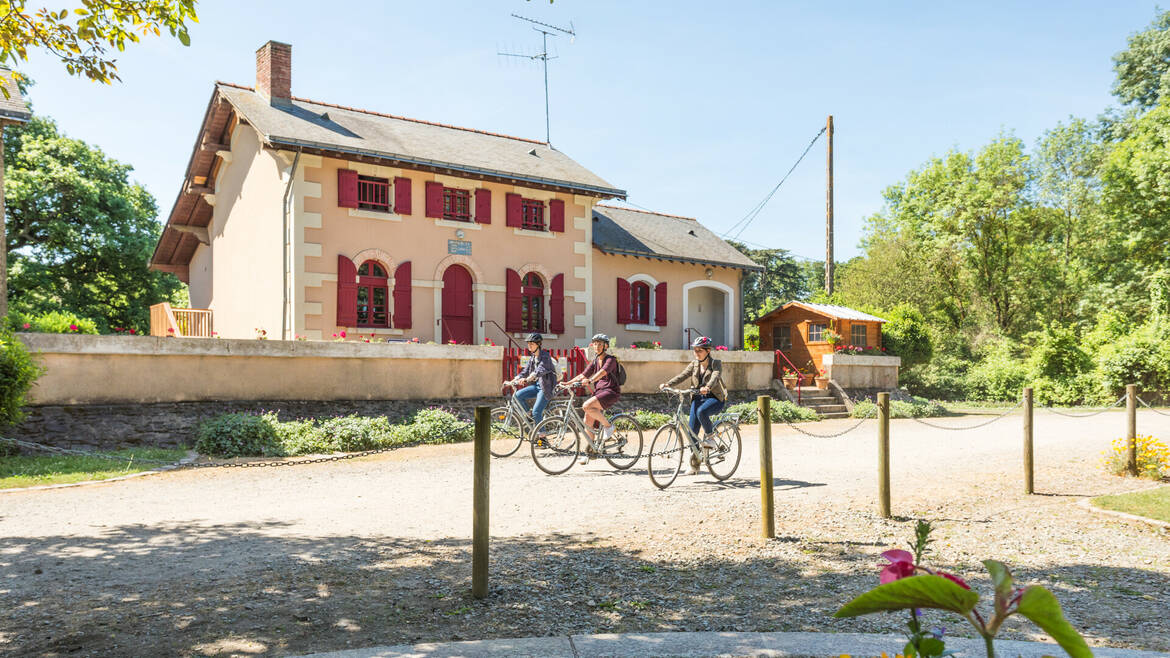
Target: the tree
pixel 82 39
pixel 780 282
pixel 81 234
pixel 1143 68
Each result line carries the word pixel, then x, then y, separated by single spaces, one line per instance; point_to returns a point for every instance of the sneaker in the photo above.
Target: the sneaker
pixel 584 459
pixel 607 432
pixel 708 442
pixel 694 467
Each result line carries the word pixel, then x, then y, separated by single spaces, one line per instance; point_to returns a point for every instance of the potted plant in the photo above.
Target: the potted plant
pixel 832 338
pixel 790 379
pixel 822 380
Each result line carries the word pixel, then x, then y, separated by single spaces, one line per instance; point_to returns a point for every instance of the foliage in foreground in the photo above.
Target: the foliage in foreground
pixel 17 374
pixel 907 584
pixel 1153 457
pixel 265 435
pixel 53 322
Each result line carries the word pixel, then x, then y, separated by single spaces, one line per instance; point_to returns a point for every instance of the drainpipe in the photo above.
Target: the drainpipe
pixel 285 311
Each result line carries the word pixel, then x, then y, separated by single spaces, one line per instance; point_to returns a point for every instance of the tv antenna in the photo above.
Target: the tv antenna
pixel 546 31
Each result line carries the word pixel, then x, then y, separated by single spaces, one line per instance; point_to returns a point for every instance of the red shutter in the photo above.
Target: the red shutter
pixel 346 292
pixel 347 188
pixel 514 213
pixel 483 206
pixel 556 211
pixel 556 305
pixel 660 304
pixel 623 301
pixel 402 296
pixel 512 319
pixel 434 199
pixel 402 195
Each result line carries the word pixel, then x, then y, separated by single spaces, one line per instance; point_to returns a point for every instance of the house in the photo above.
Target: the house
pixel 307 219
pixel 798 329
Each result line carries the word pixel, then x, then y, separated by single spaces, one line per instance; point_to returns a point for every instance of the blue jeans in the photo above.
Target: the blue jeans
pixel 702 407
pixel 533 391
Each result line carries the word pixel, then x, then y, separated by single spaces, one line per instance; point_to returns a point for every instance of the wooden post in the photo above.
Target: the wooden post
pixel 883 404
pixel 479 532
pixel 829 209
pixel 1028 464
pixel 1131 429
pixel 764 407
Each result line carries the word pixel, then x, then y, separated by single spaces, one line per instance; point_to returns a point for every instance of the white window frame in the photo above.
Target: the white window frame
pixel 651 326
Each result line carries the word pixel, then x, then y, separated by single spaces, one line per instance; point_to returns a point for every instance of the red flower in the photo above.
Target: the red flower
pixel 170 330
pixel 343 333
pixel 27 325
pixel 953 578
pixel 73 327
pixel 133 332
pixel 901 566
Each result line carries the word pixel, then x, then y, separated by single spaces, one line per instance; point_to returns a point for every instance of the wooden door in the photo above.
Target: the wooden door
pixel 457 306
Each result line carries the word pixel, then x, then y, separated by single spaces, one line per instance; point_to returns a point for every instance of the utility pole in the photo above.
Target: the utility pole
pixel 829 210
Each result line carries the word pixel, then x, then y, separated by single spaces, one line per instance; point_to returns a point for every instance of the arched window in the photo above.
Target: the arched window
pixel 532 303
pixel 640 302
pixel 373 294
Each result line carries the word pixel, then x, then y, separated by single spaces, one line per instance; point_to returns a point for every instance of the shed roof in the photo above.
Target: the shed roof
pixel 827 310
pixel 13 107
pixel 669 237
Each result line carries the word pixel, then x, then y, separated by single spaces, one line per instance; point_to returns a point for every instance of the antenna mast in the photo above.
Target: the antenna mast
pixel 543 28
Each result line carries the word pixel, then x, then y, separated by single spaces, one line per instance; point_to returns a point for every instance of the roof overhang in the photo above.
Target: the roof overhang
pixel 615 251
pixel 811 309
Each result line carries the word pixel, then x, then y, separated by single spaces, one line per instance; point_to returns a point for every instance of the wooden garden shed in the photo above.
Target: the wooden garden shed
pixel 798 330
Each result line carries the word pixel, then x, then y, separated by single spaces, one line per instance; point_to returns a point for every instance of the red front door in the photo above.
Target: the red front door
pixel 457 306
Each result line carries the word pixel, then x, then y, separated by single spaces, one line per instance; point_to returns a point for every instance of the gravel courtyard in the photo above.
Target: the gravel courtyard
pixel 376 551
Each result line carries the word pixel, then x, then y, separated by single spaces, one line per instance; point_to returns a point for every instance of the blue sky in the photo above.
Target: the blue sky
pixel 695 108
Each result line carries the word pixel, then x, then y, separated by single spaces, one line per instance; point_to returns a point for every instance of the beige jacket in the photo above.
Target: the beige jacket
pixel 712 377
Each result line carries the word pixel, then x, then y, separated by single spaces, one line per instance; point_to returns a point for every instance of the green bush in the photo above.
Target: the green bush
pixel 435 426
pixel 355 433
pixel 916 407
pixel 1142 358
pixel 905 334
pixel 53 322
pixel 302 437
pixel 650 419
pixel 17 374
pixel 943 378
pixel 239 435
pixel 781 410
pixel 1084 389
pixel 999 376
pixel 1058 356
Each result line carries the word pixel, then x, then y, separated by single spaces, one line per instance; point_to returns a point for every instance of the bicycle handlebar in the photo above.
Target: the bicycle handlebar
pixel 679 391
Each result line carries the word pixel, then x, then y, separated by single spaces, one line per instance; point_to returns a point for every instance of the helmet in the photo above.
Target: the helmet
pixel 599 338
pixel 535 338
pixel 703 342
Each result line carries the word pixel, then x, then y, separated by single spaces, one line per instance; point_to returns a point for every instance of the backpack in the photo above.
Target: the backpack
pixel 621 372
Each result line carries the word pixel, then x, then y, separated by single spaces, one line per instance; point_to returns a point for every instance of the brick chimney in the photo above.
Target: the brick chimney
pixel 274 72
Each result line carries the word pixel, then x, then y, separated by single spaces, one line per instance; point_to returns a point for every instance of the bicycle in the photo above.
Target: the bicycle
pixel 673 439
pixel 512 424
pixel 556 440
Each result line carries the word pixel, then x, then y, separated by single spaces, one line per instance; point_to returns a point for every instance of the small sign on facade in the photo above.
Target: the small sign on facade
pixel 461 247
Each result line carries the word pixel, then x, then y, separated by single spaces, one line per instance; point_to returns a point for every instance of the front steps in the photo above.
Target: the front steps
pixel 824 402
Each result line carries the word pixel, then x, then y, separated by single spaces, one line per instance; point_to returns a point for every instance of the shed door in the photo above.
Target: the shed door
pixel 457 306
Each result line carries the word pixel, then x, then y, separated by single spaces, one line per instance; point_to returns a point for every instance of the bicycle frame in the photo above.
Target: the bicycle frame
pixel 683 422
pixel 524 415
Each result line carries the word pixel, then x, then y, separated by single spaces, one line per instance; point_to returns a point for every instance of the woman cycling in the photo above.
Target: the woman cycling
pixel 539 378
pixel 602 375
pixel 706 374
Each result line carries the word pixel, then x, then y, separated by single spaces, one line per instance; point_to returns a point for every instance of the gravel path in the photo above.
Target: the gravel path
pixel 375 551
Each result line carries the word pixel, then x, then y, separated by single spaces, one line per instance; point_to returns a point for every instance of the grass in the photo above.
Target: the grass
pixel 36 470
pixel 1152 504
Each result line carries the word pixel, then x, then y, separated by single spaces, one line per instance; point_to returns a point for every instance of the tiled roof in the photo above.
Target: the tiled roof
pixel 350 131
pixel 670 237
pixel 13 107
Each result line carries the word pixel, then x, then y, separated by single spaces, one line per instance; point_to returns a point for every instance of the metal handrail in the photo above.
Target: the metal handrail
pixel 689 330
pixel 799 374
pixel 511 341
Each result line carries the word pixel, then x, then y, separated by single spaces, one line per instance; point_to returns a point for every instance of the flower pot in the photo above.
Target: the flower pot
pixel 822 383
pixel 790 383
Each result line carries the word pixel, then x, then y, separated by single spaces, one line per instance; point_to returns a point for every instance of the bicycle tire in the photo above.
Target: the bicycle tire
pixel 557 451
pixel 626 428
pixel 730 441
pixel 668 437
pixel 507 427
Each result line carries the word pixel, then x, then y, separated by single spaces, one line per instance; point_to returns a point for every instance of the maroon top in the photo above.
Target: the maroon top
pixel 608 383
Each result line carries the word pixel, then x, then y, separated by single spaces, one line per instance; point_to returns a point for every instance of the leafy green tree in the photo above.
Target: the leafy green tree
pixel 780 282
pixel 1143 68
pixel 80 232
pixel 905 334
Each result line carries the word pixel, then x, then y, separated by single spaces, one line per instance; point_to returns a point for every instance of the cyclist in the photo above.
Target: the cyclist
pixel 602 374
pixel 538 377
pixel 706 374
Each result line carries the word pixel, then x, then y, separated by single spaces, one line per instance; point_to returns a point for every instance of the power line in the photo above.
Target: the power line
pixel 759 207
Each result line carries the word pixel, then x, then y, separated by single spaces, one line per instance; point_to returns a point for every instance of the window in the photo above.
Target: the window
pixel 373 193
pixel 816 332
pixel 373 293
pixel 858 335
pixel 533 217
pixel 640 303
pixel 782 337
pixel 532 303
pixel 456 204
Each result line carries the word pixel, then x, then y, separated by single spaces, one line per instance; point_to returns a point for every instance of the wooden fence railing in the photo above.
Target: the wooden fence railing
pixel 180 322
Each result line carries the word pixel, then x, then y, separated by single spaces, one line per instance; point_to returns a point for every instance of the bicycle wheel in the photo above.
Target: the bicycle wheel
pixel 664 468
pixel 507 433
pixel 724 458
pixel 554 445
pixel 625 446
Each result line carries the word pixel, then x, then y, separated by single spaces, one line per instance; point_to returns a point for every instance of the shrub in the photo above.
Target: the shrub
pixel 1085 388
pixel 999 376
pixel 1057 355
pixel 650 419
pixel 17 374
pixel 916 407
pixel 436 425
pixel 1141 358
pixel 354 433
pixel 905 334
pixel 782 411
pixel 1153 457
pixel 239 435
pixel 943 378
pixel 53 322
pixel 302 437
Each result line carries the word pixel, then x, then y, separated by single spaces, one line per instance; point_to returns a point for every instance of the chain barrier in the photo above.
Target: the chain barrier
pixel 1147 406
pixel 829 436
pixel 1096 412
pixel 975 426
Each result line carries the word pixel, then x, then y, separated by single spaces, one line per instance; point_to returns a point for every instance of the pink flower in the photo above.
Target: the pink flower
pixel 343 333
pixel 73 327
pixel 27 325
pixel 170 330
pixel 901 566
pixel 134 332
pixel 953 578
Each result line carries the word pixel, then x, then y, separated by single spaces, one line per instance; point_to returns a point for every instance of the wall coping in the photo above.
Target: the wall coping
pixel 686 356
pixel 861 360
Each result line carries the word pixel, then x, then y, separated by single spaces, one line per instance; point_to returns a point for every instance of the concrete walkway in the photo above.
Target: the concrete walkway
pixel 708 644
